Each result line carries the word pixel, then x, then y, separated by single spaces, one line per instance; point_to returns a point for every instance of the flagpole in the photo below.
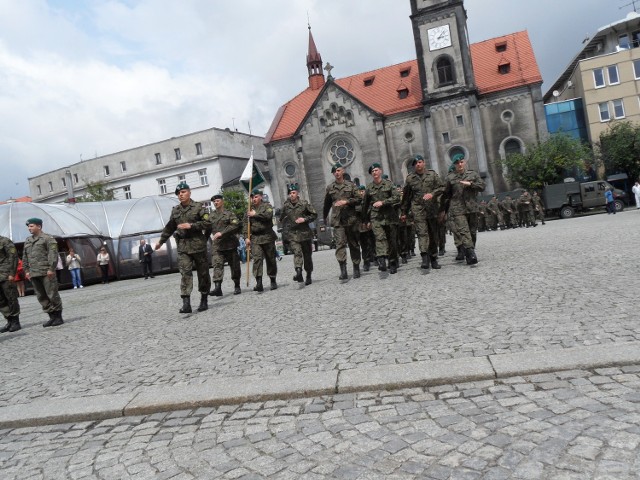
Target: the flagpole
pixel 249 220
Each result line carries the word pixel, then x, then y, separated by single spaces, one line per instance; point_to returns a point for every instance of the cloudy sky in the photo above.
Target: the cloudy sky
pixel 92 77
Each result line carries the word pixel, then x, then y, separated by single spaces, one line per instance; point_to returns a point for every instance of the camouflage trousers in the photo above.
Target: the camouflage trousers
pixel 186 263
pixel 266 252
pixel 350 236
pixel 219 257
pixel 386 240
pixel 302 254
pixel 9 305
pixel 428 236
pixel 47 293
pixel 368 245
pixel 465 228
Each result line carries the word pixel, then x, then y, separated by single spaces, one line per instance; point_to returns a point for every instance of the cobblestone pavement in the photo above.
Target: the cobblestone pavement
pixel 567 425
pixel 568 283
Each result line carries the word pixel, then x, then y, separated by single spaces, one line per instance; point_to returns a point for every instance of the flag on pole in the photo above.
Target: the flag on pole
pixel 251 176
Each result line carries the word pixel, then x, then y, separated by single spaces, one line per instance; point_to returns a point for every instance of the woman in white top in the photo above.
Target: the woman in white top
pixel 103 261
pixel 73 263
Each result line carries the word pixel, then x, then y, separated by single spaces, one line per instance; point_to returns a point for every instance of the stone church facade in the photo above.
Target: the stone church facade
pixel 482 99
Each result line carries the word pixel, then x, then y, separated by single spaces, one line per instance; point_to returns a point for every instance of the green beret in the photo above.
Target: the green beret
pixel 35 221
pixel 452 167
pixel 374 165
pixel 336 166
pixel 416 159
pixel 385 177
pixel 457 157
pixel 182 186
pixel 217 196
pixel 256 191
pixel 362 187
pixel 292 187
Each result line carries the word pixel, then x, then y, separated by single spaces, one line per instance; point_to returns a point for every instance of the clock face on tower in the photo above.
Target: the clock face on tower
pixel 439 37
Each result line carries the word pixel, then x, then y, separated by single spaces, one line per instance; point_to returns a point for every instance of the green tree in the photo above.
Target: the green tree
pixel 236 201
pixel 97 192
pixel 559 156
pixel 619 149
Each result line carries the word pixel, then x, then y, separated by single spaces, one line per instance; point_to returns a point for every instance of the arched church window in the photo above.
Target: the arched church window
pixel 290 169
pixel 444 71
pixel 512 146
pixel 342 151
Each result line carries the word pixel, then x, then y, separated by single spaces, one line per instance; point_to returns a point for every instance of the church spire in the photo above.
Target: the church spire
pixel 314 65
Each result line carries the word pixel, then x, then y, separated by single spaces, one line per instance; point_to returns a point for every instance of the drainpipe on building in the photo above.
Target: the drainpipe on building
pixel 71 198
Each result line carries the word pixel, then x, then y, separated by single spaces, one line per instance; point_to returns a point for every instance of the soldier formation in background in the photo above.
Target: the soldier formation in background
pixel 524 211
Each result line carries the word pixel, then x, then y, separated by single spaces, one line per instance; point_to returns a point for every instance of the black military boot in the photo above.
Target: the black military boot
pixel 14 324
pixel 298 276
pixel 7 327
pixel 57 318
pixel 404 258
pixel 217 290
pixel 204 305
pixel 258 287
pixel 434 263
pixel 307 281
pixel 425 261
pixel 186 304
pixel 382 264
pixel 343 271
pixel 366 265
pixel 236 287
pixel 470 253
pixel 441 252
pixel 274 285
pixel 393 266
pixel 50 321
pixel 356 270
pixel 461 253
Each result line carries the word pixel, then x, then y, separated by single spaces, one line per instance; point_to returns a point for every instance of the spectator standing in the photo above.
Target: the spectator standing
pixel 636 191
pixel 103 262
pixel 611 206
pixel 74 265
pixel 144 255
pixel 19 278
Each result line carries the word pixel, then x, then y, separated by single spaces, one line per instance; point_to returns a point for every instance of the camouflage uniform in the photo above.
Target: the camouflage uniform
pixel 526 203
pixel 300 234
pixel 384 220
pixel 494 207
pixel 367 240
pixel 9 305
pixel 538 207
pixel 192 245
pixel 263 240
pixel 225 248
pixel 507 212
pixel 39 257
pixel 344 219
pixel 461 203
pixel 425 212
pixel 482 216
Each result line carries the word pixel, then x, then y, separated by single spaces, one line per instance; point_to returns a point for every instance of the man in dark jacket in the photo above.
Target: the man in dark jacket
pixel 144 255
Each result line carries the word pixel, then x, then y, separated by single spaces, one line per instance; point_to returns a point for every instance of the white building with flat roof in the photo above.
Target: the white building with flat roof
pixel 206 160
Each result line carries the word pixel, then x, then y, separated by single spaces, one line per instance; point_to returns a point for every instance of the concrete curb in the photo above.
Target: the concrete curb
pixel 229 391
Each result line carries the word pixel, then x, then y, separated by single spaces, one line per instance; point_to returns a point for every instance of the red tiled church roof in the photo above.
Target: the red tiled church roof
pixel 380 89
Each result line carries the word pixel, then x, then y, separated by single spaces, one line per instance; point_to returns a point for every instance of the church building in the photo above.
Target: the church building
pixel 482 99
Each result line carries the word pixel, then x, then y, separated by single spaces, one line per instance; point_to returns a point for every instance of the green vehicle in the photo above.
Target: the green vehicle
pixel 567 199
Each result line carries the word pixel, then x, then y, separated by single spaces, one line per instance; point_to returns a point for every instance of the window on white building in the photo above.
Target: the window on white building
pixel 39 189
pixel 51 186
pixel 604 112
pixel 182 178
pixel 612 70
pixel 623 41
pixel 178 154
pixel 75 178
pixel 598 77
pixel 203 177
pixel 445 137
pixel 127 191
pixel 123 167
pixel 163 186
pixel 460 120
pixel 618 108
pixel 198 148
pixel 158 159
pixel 106 170
pixel 636 69
pixel 64 182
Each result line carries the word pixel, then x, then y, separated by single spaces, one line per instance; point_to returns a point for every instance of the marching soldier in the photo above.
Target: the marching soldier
pixel 299 213
pixel 367 240
pixel 508 212
pixel 380 203
pixel 189 224
pixel 341 197
pixel 40 258
pixel 263 239
pixel 526 203
pixel 422 193
pixel 538 207
pixel 224 247
pixel 461 190
pixel 9 305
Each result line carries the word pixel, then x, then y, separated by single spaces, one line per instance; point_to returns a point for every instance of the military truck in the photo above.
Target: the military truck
pixel 567 199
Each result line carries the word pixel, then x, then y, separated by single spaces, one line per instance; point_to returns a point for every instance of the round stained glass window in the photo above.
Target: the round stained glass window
pixel 290 169
pixel 342 152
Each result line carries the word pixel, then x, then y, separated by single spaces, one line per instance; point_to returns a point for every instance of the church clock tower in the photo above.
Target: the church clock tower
pixel 449 95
